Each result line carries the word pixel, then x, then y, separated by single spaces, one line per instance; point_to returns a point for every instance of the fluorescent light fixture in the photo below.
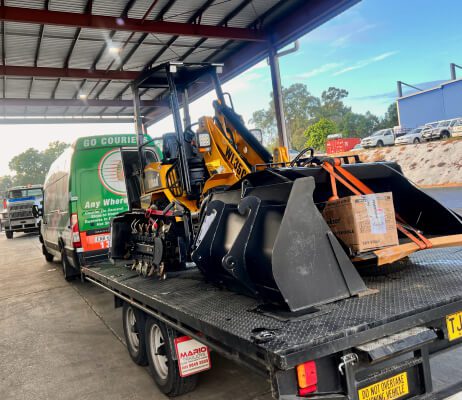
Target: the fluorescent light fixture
pixel 114 50
pixel 82 96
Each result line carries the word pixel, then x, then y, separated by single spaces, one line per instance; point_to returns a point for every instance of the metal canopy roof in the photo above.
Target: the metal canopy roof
pixel 74 61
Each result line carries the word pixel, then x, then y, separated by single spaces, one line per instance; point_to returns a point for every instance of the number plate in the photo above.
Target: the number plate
pixel 454 325
pixel 389 389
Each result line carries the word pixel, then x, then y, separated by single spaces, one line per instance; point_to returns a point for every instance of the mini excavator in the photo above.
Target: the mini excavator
pixel 215 198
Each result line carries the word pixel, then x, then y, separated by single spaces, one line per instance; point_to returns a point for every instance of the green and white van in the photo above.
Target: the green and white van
pixel 84 188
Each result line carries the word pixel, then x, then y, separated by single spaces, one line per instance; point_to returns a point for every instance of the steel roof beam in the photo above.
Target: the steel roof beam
pixel 47 72
pixel 27 15
pixel 79 103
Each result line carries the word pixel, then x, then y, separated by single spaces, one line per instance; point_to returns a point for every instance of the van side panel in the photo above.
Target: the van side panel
pixel 56 217
pixel 100 194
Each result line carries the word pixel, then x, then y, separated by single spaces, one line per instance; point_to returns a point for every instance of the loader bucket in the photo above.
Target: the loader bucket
pixel 275 244
pixel 266 237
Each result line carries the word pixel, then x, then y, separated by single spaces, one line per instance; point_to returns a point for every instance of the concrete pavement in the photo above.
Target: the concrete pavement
pixel 61 340
pixel 64 341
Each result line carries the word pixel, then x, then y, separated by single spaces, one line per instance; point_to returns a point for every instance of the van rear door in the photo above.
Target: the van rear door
pixel 99 193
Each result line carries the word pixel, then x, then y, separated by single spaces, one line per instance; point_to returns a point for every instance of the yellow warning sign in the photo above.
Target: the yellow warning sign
pixel 388 389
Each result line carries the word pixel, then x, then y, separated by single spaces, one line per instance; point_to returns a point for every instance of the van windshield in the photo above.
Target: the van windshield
pixel 20 193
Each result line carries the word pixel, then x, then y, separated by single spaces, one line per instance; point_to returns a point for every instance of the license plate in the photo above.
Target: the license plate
pixel 454 325
pixel 389 389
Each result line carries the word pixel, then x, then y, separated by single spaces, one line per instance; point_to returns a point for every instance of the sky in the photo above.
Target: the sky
pixel 364 50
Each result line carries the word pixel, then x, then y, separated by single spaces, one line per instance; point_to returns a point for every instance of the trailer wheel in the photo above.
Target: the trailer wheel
pixel 68 271
pixel 163 367
pixel 386 269
pixel 9 234
pixel 134 323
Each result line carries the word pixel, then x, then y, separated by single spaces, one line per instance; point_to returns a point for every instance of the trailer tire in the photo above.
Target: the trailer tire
pixel 163 367
pixel 134 323
pixel 386 269
pixel 68 271
pixel 9 234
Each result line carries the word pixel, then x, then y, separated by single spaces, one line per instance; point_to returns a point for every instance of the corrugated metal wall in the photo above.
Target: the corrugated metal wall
pixel 443 102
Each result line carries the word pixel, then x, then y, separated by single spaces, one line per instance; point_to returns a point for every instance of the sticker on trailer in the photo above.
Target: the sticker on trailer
pixel 193 356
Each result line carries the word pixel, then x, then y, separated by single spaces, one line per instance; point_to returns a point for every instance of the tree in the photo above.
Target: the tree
pixel 31 166
pixel 300 108
pixel 390 118
pixel 332 106
pixel 6 182
pixel 316 134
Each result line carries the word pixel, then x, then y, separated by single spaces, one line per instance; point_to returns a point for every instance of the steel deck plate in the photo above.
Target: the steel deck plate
pixel 432 280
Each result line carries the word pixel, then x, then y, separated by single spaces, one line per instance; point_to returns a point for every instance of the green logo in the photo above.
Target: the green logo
pixel 111 172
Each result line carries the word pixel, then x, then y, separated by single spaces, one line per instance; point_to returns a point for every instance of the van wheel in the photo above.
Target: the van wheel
pixel 163 368
pixel 68 271
pixel 48 256
pixel 134 323
pixel 9 234
pixel 379 143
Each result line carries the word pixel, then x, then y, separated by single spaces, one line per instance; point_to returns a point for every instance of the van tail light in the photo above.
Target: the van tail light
pixel 75 233
pixel 307 378
pixel 4 204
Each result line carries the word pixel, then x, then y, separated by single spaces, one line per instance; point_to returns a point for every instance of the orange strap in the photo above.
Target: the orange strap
pixel 357 187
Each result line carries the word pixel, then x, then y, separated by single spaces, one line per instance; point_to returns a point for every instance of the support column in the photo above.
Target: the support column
pixel 277 97
pixel 139 126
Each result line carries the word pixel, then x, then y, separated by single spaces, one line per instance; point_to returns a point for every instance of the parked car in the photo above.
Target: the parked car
pixel 412 137
pixel 383 137
pixel 439 130
pixel 456 130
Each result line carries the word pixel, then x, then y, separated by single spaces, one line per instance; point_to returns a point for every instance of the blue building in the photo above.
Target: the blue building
pixel 435 104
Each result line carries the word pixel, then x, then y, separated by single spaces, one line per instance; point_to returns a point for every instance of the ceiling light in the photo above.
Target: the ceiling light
pixel 82 96
pixel 114 50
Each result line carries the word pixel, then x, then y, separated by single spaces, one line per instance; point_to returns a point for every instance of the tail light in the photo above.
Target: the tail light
pixel 307 378
pixel 75 233
pixel 4 204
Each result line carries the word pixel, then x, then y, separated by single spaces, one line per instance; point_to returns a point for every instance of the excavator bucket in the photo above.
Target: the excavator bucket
pixel 266 236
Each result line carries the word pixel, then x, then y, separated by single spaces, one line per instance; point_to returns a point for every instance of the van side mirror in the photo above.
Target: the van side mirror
pixel 36 211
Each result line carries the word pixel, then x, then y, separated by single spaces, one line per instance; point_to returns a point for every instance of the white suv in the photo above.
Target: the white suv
pixel 384 137
pixel 439 130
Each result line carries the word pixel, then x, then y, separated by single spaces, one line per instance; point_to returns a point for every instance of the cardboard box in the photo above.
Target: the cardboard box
pixel 363 223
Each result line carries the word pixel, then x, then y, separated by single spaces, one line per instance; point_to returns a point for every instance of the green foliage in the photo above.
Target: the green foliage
pixel 316 134
pixel 391 117
pixel 6 182
pixel 31 166
pixel 303 110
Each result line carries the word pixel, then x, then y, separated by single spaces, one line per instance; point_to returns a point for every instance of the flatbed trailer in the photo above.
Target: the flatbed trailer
pixel 372 347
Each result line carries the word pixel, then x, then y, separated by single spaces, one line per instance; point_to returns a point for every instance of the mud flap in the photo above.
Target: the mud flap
pixel 310 267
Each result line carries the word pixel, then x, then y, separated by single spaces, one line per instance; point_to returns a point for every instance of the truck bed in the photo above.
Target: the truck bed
pixel 427 289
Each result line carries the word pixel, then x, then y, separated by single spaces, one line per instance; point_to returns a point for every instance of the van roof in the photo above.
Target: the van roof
pixel 98 141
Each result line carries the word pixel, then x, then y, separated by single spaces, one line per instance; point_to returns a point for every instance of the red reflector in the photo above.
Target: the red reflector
pixel 75 233
pixel 307 378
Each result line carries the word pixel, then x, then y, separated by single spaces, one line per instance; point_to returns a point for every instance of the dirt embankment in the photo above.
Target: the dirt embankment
pixel 430 164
